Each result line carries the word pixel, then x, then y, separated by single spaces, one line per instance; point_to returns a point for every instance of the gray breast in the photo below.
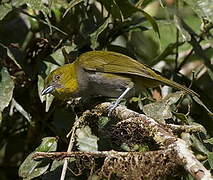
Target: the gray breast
pixel 109 85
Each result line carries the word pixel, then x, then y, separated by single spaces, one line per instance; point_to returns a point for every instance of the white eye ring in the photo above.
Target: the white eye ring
pixel 57 77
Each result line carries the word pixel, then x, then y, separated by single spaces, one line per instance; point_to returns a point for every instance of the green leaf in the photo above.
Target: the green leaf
pixel 37 5
pixel 167 51
pixel 128 9
pixel 40 88
pixel 210 159
pixel 11 56
pixel 180 26
pixel 181 116
pixel 48 98
pixel 59 163
pixel 0 117
pixel 161 110
pixel 6 88
pixel 103 121
pixel 5 8
pixel 198 144
pixel 20 109
pixel 56 58
pixel 210 73
pixel 203 8
pixel 96 33
pixel 85 140
pixel 31 168
pixel 152 22
pixel 112 8
pixel 210 141
pixel 197 100
pixel 48 144
pixel 71 5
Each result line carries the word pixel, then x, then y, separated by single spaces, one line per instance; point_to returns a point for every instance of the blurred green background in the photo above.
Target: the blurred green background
pixel 174 37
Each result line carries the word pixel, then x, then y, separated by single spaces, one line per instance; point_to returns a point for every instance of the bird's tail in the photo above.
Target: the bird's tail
pixel 178 86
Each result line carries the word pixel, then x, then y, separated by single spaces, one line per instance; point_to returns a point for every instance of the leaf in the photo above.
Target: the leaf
pixel 58 163
pixel 11 56
pixel 71 5
pixel 210 159
pixel 112 8
pixel 197 100
pixel 167 51
pixel 210 141
pixel 180 26
pixel 0 117
pixel 20 109
pixel 181 116
pixel 56 59
pixel 199 145
pixel 203 8
pixel 31 168
pixel 48 144
pixel 48 98
pixel 5 8
pixel 96 33
pixel 38 5
pixel 85 140
pixel 161 110
pixel 6 88
pixel 102 121
pixel 56 168
pixel 128 9
pixel 152 22
pixel 210 73
pixel 40 88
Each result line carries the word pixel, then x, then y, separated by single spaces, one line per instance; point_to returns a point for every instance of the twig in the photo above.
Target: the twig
pixel 177 36
pixel 186 128
pixel 96 154
pixel 70 146
pixel 71 142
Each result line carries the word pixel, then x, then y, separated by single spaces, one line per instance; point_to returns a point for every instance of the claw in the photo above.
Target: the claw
pixel 115 104
pixel 111 107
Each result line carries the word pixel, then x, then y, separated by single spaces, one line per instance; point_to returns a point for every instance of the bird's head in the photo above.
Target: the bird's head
pixel 62 82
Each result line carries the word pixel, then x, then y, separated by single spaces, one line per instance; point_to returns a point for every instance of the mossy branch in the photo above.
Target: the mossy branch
pixel 174 152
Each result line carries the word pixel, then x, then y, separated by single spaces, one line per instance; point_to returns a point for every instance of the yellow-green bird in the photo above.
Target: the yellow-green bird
pixel 104 73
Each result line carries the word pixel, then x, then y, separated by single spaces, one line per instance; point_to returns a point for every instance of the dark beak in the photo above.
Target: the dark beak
pixel 47 90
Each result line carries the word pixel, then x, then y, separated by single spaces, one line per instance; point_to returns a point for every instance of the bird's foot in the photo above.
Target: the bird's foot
pixel 111 107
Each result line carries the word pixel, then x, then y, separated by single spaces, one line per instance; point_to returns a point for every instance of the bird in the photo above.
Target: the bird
pixel 105 74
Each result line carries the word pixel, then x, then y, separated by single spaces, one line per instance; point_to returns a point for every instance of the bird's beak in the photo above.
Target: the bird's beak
pixel 47 90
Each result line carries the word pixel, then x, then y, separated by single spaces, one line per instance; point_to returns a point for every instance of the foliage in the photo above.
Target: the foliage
pixel 174 37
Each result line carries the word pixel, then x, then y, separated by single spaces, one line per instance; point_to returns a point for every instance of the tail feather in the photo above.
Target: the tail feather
pixel 178 86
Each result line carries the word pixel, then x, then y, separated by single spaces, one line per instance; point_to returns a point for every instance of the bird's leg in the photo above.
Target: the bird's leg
pixel 115 104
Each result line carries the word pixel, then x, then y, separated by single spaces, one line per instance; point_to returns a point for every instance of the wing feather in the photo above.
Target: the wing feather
pixel 112 62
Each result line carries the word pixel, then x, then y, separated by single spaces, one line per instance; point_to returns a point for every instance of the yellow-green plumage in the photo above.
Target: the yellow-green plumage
pixel 96 73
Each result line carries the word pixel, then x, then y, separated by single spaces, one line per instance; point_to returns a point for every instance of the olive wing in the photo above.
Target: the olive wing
pixel 112 62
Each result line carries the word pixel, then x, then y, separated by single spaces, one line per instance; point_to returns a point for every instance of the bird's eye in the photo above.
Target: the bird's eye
pixel 57 77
